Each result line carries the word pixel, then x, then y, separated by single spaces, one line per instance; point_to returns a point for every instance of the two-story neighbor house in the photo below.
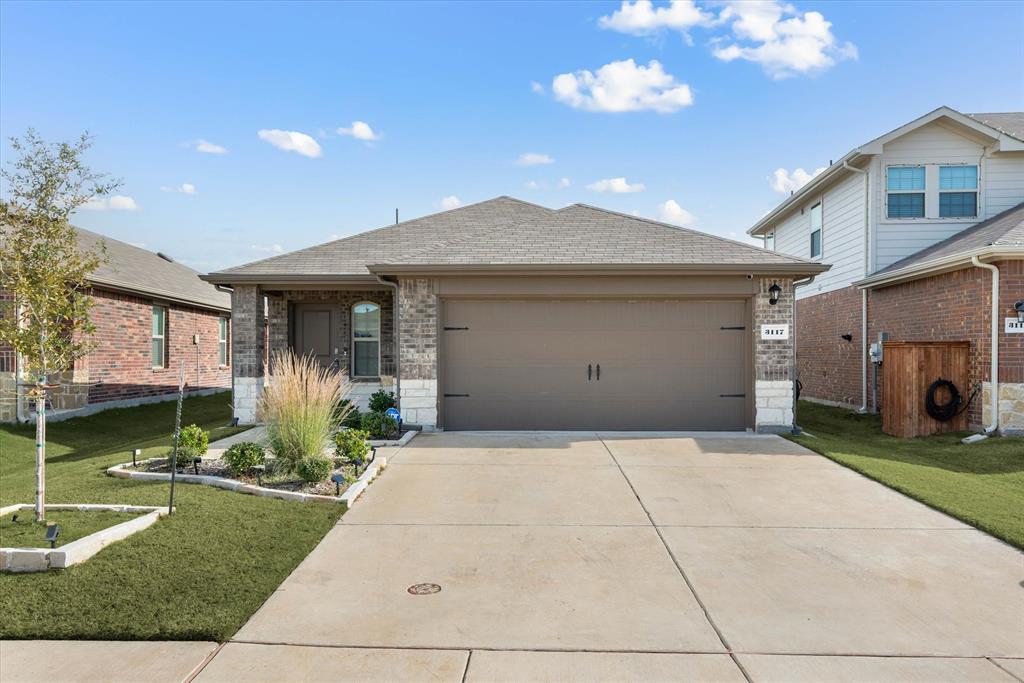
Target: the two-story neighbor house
pixel 920 225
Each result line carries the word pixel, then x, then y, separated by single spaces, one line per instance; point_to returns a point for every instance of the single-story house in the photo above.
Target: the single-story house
pixel 505 315
pixel 151 315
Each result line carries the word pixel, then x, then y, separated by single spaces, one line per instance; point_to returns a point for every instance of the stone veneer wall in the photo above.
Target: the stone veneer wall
pixel 773 359
pixel 247 352
pixel 418 319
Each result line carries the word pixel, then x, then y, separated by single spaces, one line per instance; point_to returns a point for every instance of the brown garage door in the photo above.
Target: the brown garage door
pixel 607 365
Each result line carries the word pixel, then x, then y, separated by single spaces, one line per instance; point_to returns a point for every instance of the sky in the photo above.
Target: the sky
pixel 244 130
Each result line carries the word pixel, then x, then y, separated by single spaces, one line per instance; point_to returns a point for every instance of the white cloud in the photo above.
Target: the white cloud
pixel 534 159
pixel 615 185
pixel 207 147
pixel 642 18
pixel 531 185
pixel 671 212
pixel 785 182
pixel 360 130
pixel 184 188
pixel 267 248
pixel 537 87
pixel 451 202
pixel 291 141
pixel 784 41
pixel 117 202
pixel 564 183
pixel 623 86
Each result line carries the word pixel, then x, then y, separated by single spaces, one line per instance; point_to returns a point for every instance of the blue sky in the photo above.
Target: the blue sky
pixel 455 95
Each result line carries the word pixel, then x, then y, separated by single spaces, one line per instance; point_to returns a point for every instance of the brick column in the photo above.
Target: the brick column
pixel 417 353
pixel 246 350
pixel 773 359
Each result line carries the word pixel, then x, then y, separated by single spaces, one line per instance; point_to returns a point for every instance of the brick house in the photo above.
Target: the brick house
pixel 151 314
pixel 509 315
pixel 912 223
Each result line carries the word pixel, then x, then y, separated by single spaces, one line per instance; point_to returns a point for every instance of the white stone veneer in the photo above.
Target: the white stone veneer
pixel 247 392
pixel 1011 407
pixel 773 405
pixel 418 402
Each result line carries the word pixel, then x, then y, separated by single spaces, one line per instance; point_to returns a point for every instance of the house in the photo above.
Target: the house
pixel 151 316
pixel 901 219
pixel 509 315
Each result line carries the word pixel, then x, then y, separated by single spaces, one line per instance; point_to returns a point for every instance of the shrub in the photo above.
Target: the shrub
pixel 352 445
pixel 300 406
pixel 192 443
pixel 314 469
pixel 242 457
pixel 379 425
pixel 347 413
pixel 381 400
pixel 352 419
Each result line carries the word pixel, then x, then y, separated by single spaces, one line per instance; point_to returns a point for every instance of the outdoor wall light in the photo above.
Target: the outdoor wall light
pixel 52 532
pixel 1019 307
pixel 337 479
pixel 773 293
pixel 848 337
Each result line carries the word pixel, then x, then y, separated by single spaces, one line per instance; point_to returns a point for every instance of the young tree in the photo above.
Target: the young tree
pixel 43 268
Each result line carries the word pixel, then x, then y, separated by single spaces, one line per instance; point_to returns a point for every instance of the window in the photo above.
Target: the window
pixel 365 340
pixel 962 202
pixel 159 349
pixel 905 192
pixel 222 340
pixel 816 224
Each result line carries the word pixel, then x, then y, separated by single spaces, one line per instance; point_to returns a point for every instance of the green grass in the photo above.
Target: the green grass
pixel 981 484
pixel 74 524
pixel 198 574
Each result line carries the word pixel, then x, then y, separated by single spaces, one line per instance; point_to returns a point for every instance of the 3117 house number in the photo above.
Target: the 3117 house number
pixel 774 331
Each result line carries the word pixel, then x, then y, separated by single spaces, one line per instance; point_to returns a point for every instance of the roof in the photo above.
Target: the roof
pixel 1006 128
pixel 1001 233
pixel 508 233
pixel 133 269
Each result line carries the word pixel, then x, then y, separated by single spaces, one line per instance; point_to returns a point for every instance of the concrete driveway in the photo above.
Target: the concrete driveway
pixel 582 556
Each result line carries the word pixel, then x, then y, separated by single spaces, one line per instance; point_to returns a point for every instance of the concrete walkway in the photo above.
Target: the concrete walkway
pixel 616 557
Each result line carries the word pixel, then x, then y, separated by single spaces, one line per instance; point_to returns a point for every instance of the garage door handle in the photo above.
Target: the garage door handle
pixel 732 396
pixel 590 370
pixel 456 395
pixel 733 327
pixel 598 372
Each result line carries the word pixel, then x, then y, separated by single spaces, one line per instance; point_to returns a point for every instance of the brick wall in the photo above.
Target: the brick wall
pixel 418 317
pixel 773 359
pixel 829 366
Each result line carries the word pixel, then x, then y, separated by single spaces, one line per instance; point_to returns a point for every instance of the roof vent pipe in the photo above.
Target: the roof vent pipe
pixel 165 257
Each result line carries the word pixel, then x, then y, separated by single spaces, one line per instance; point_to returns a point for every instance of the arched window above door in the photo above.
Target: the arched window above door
pixel 365 339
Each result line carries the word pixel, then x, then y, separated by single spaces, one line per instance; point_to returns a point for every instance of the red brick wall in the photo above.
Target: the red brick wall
pixel 121 363
pixel 829 365
pixel 948 307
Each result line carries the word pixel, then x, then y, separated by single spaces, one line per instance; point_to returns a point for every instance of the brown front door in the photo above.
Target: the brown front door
pixel 601 365
pixel 316 334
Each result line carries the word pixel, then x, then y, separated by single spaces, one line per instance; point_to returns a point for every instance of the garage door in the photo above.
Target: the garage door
pixel 602 365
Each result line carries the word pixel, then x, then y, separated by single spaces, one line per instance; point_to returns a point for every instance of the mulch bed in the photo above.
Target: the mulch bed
pixel 271 480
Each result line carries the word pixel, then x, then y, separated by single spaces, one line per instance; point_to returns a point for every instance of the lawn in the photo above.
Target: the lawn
pixel 981 484
pixel 196 575
pixel 25 532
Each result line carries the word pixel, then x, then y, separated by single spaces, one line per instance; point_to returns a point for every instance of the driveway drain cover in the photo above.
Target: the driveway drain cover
pixel 424 589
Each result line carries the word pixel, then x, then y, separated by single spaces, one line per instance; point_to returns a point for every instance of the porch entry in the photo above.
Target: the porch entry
pixel 318 329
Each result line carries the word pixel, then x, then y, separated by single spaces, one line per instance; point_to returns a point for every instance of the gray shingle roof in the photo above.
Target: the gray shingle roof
pixel 1011 122
pixel 137 270
pixel 506 231
pixel 1004 229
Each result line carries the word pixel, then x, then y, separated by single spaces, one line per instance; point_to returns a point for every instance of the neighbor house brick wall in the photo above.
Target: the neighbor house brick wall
pixel 418 320
pixel 829 367
pixel 773 359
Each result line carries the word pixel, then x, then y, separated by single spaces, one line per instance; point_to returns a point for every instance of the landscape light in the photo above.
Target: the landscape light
pixel 52 532
pixel 195 464
pixel 260 469
pixel 14 519
pixel 337 479
pixel 136 452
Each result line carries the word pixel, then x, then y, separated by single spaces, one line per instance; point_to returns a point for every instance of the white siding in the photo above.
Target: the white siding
pixel 1004 182
pixel 842 235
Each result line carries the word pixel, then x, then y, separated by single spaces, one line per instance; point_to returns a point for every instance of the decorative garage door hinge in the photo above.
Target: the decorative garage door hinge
pixel 734 327
pixel 449 329
pixel 732 395
pixel 456 395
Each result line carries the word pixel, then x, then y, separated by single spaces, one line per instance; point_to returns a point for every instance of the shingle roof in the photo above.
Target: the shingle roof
pixel 587 235
pixel 137 270
pixel 506 231
pixel 1004 229
pixel 1011 122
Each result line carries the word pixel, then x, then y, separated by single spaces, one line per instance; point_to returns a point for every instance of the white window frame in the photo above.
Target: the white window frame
pixel 939 192
pixel 820 204
pixel 165 313
pixel 923 191
pixel 223 334
pixel 352 323
pixel 931 192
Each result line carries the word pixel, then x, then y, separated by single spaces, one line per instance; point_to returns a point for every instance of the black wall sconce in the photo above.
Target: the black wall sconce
pixel 848 337
pixel 1019 307
pixel 773 293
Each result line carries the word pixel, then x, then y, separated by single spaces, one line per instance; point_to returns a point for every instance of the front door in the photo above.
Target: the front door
pixel 316 334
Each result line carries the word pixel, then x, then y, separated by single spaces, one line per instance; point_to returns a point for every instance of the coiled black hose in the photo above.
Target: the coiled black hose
pixel 950 409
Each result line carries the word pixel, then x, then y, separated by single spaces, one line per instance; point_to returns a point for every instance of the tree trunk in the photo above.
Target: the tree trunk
pixel 41 457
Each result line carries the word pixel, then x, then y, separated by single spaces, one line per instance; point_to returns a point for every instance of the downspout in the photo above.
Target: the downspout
pixel 396 320
pixel 864 292
pixel 994 370
pixel 797 283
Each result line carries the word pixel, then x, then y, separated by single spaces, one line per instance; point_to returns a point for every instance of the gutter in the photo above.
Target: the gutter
pixel 994 353
pixel 573 269
pixel 941 265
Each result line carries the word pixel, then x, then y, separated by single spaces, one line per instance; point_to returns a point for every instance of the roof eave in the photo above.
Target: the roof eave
pixel 601 269
pixel 227 278
pixel 113 285
pixel 939 266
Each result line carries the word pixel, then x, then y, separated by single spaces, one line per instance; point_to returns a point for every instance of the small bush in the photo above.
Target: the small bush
pixel 242 457
pixel 379 426
pixel 352 445
pixel 353 418
pixel 313 470
pixel 192 443
pixel 347 414
pixel 381 400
